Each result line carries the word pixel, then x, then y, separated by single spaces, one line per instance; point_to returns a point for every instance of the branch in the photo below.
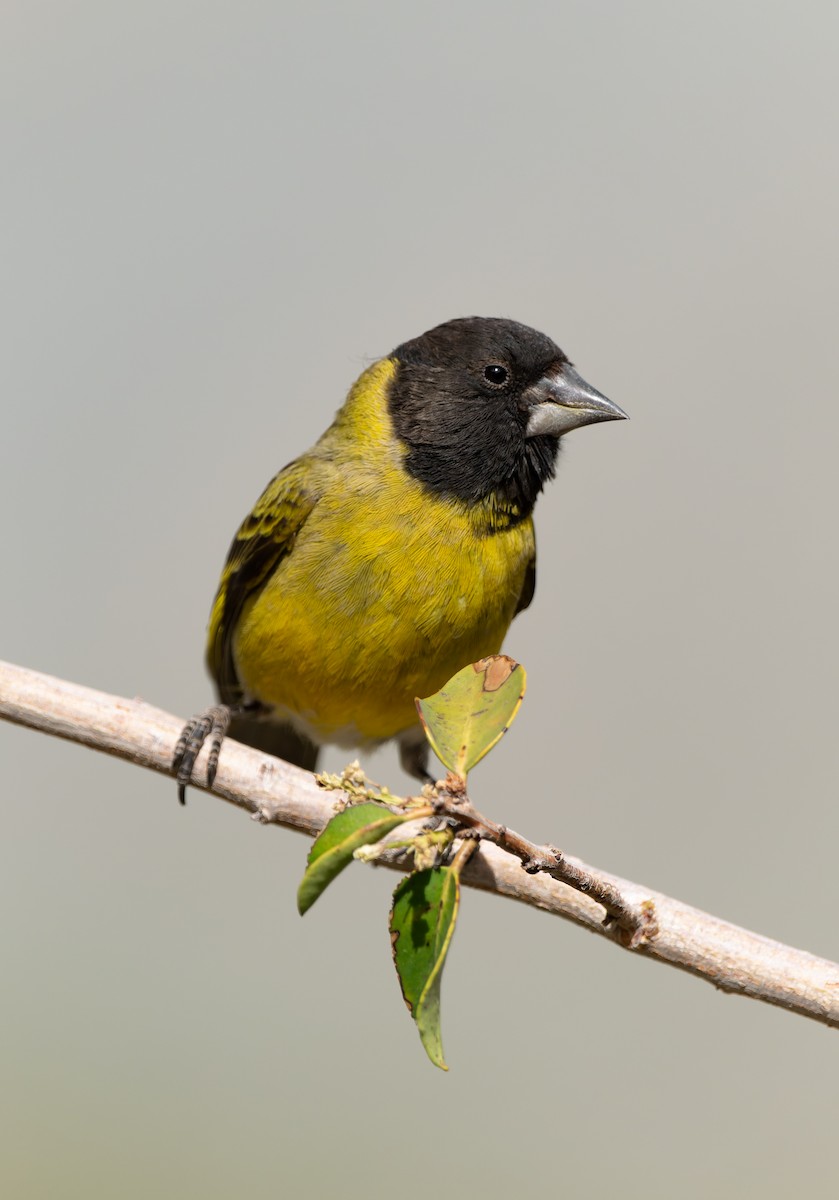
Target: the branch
pixel 274 792
pixel 636 922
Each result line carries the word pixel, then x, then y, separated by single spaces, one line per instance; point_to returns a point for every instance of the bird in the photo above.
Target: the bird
pixel 394 552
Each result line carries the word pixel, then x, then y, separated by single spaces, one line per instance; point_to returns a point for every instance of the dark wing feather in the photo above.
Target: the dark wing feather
pixel 263 541
pixel 528 587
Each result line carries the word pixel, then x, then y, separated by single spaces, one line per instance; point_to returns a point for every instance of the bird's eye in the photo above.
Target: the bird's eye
pixel 496 374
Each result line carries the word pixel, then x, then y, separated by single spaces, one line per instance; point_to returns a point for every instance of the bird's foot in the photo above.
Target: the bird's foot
pixel 413 756
pixel 212 723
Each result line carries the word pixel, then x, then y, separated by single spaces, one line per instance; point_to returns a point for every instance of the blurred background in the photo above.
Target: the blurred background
pixel 214 215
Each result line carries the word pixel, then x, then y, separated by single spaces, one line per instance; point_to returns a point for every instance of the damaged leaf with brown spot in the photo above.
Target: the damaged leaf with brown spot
pixel 473 711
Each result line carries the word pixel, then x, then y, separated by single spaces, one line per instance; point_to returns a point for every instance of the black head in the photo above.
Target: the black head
pixel 481 403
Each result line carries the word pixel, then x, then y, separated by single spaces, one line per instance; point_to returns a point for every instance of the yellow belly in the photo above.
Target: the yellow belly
pixel 387 592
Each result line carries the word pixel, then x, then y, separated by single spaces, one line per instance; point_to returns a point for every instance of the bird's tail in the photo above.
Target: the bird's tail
pixel 284 741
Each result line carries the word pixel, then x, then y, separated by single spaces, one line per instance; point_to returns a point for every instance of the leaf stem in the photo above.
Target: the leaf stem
pixel 463 853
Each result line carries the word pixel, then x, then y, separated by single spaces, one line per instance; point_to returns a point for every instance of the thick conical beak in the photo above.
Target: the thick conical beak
pixel 563 400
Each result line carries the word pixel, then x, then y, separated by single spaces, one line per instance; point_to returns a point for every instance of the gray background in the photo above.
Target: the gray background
pixel 213 216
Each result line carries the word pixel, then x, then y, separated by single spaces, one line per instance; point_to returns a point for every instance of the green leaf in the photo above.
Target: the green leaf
pixel 422 923
pixel 332 850
pixel 473 711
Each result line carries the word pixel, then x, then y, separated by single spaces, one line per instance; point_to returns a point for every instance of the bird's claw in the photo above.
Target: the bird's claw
pixel 212 723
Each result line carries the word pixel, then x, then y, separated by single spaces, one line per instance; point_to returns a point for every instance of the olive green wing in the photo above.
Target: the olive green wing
pixel 264 539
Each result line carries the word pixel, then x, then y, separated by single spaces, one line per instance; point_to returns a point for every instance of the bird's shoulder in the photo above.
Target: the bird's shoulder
pixel 279 514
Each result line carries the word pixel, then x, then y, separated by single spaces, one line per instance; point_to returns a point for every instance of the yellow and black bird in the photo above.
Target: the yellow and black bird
pixel 394 552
